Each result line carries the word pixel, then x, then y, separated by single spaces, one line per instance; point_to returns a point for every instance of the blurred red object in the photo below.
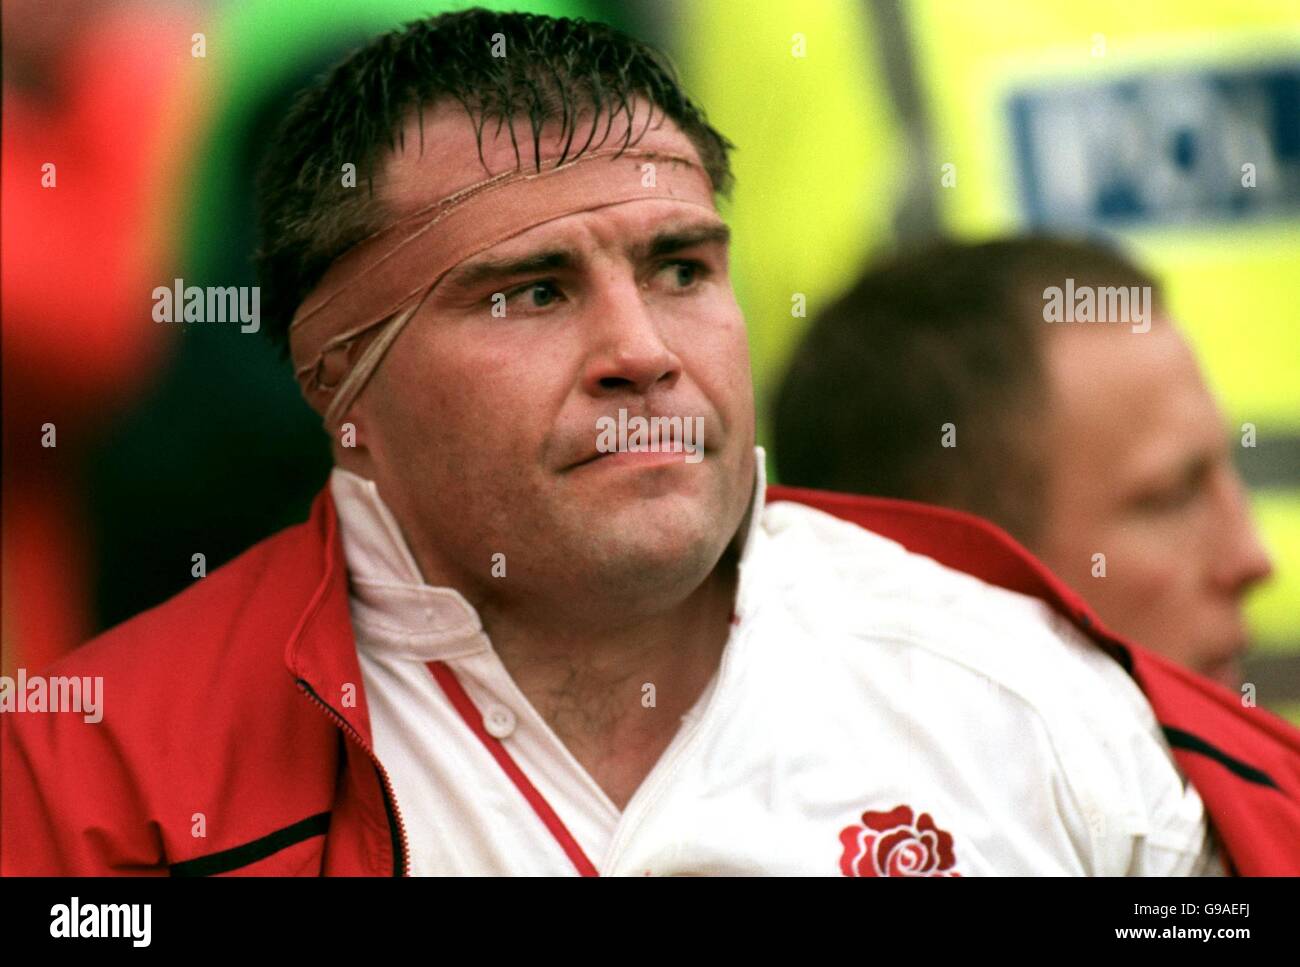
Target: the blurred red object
pixel 100 112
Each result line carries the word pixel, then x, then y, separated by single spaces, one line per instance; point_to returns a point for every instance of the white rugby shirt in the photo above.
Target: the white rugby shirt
pixel 874 713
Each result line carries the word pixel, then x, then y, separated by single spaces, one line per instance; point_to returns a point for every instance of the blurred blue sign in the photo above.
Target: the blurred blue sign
pixel 1165 147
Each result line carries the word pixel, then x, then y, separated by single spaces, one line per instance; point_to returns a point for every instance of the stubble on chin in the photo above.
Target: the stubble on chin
pixel 649 550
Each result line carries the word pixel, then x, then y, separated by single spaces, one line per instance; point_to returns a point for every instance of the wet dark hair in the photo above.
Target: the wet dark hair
pixel 947 333
pixel 554 69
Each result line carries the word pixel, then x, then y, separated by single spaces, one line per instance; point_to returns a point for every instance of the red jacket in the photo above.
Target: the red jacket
pixel 225 745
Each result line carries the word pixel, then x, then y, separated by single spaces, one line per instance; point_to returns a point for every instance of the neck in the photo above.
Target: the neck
pixel 615 692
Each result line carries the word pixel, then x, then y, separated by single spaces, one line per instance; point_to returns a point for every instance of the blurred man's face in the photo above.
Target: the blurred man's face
pixel 1140 470
pixel 481 430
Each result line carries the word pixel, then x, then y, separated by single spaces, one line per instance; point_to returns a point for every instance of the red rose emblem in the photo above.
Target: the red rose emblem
pixel 891 844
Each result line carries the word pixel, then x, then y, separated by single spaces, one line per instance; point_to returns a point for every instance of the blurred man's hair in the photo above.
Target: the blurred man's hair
pixel 950 333
pixel 553 69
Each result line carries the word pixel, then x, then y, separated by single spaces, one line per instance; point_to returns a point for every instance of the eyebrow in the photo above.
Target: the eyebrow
pixel 551 260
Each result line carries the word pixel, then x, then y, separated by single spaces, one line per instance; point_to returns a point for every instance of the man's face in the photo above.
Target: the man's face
pixel 480 429
pixel 1140 470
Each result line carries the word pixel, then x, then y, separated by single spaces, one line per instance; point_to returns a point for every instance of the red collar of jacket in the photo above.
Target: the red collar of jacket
pixel 321 654
pixel 316 653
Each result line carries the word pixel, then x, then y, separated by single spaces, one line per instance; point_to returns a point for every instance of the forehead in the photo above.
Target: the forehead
pixel 1130 399
pixel 411 176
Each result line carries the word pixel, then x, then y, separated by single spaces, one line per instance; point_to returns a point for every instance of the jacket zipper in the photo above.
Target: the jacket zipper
pixel 390 800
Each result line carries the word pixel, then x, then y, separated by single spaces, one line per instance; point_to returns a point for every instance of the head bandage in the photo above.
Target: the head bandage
pixel 383 280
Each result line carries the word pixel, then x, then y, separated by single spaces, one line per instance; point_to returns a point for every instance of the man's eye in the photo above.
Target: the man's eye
pixel 1174 498
pixel 683 273
pixel 536 295
pixel 1165 500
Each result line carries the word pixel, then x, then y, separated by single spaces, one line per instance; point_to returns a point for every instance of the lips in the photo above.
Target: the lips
pixel 664 448
pixel 671 438
pixel 639 458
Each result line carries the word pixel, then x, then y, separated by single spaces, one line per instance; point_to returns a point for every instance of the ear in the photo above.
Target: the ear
pixel 349 443
pixel 329 373
pixel 348 435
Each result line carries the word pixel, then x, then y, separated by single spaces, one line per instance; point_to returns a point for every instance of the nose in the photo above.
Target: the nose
pixel 1243 561
pixel 627 350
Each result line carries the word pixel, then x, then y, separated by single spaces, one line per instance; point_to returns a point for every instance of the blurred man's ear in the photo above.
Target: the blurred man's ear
pixel 349 443
pixel 350 440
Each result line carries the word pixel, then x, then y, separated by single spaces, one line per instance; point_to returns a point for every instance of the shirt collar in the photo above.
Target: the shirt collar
pixel 388 596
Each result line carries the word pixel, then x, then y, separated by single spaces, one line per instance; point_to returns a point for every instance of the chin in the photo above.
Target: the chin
pixel 671 548
pixel 1226 673
pixel 674 554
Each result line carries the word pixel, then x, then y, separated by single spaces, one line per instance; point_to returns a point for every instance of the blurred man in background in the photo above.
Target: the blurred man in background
pixel 939 377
